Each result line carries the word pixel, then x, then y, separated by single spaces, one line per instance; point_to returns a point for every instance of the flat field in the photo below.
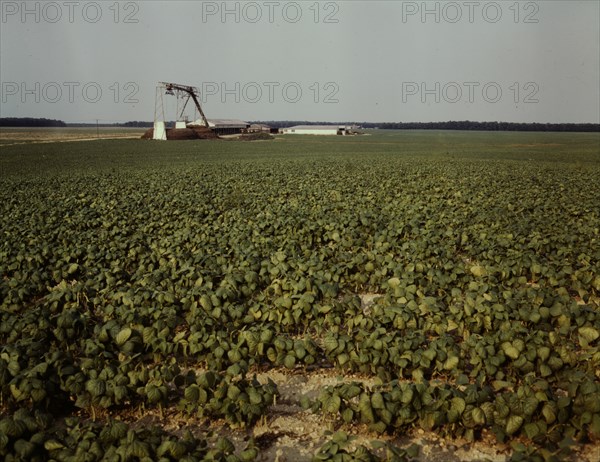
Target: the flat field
pixel 11 136
pixel 404 295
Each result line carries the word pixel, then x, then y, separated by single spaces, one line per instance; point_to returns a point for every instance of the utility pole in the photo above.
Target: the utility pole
pixel 97 130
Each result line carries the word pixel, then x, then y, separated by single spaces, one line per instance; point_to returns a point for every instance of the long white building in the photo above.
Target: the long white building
pixel 317 130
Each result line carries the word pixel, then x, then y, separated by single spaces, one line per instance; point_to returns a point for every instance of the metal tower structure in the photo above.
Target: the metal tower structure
pixel 185 92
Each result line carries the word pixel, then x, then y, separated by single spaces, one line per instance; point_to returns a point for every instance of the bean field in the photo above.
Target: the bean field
pixel 402 295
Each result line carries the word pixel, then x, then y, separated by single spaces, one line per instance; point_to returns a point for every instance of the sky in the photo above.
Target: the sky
pixel 373 61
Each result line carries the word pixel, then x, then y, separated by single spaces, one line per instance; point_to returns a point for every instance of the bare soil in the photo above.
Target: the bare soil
pixel 12 136
pixel 196 133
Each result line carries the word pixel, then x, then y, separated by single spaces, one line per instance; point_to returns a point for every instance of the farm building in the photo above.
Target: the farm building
pixel 317 130
pixel 260 128
pixel 223 126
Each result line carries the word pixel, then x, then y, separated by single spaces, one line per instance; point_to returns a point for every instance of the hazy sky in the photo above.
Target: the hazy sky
pixel 322 61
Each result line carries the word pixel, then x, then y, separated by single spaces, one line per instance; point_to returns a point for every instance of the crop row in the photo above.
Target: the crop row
pixel 35 436
pixel 532 411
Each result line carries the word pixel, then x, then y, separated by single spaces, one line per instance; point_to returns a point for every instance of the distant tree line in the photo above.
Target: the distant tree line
pixel 30 122
pixel 132 124
pixel 450 125
pixel 489 126
pixel 139 124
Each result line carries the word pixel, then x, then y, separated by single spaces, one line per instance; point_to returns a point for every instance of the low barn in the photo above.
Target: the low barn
pixel 223 126
pixel 260 128
pixel 317 130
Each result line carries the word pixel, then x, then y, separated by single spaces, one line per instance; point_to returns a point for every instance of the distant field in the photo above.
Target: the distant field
pixel 10 135
pixel 404 295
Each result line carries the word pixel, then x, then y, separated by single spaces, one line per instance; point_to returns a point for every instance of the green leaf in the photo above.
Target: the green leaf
pixel 587 335
pixel 378 427
pixel 233 391
pixel 468 419
pixel 478 416
pixel 123 336
pixel 478 271
pixel 120 393
pixel 413 450
pixel 140 449
pixel 530 405
pixel 330 342
pixel 153 393
pixel 377 401
pixel 254 396
pixel 347 415
pixel 340 437
pixel 206 303
pixel 376 444
pixel 352 391
pixel 543 353
pixel 545 371
pixel 513 424
pixel 96 388
pixel 518 447
pixel 234 370
pixel 248 455
pixel 531 430
pixel 118 430
pixel 299 351
pixel 225 446
pixel 266 336
pixel 430 354
pixel 332 404
pixel 510 350
pixel 52 445
pixel 458 405
pixel 289 362
pixel 451 363
pixel 192 393
pixel 207 380
pixel 488 409
pixel 366 411
pixel 549 412
pixel 407 395
pixel 17 393
pixel 324 309
pixel 342 359
pixel 386 416
pixel 393 283
pixel 24 449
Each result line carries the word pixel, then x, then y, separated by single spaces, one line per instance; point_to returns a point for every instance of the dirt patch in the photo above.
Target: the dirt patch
pixel 196 133
pixel 31 137
pixel 367 301
pixel 292 434
pixel 256 137
pixel 289 433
